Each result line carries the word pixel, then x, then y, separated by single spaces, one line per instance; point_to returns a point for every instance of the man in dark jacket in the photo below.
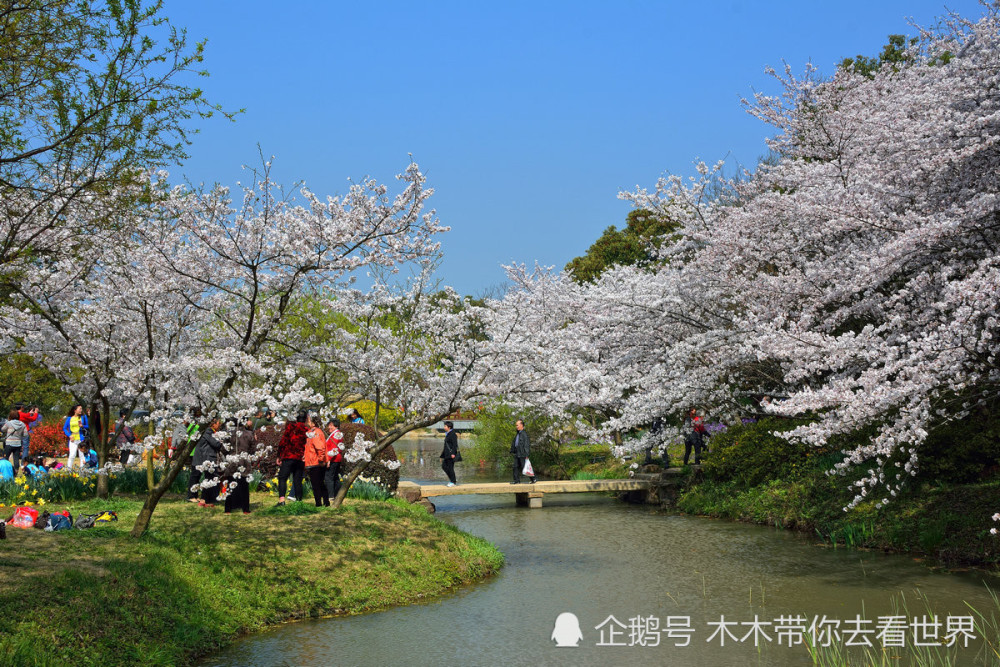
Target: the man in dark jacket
pixel 238 498
pixel 449 455
pixel 206 454
pixel 521 449
pixel 291 449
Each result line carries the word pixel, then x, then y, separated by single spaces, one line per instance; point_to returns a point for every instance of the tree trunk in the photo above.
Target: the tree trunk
pixel 150 477
pixel 389 438
pixel 378 405
pixel 173 469
pixel 102 445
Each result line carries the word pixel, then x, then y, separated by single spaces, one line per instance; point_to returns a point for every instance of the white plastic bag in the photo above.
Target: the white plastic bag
pixel 528 470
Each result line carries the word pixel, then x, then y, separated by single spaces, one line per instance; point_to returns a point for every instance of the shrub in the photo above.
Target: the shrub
pixel 377 473
pixel 57 486
pixel 495 431
pixel 751 454
pixel 268 436
pixel 48 439
pixel 963 451
pixel 367 491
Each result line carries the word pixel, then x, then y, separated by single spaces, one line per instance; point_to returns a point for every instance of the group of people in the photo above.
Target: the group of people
pixel 17 433
pixel 34 466
pixel 17 429
pixel 520 449
pixel 79 426
pixel 209 471
pixel 307 447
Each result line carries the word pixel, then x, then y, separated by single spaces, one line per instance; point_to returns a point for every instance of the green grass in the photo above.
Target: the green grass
pixel 599 474
pixel 949 523
pixel 986 627
pixel 200 578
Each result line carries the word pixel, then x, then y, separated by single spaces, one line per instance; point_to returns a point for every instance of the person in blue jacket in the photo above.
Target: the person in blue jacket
pixel 75 428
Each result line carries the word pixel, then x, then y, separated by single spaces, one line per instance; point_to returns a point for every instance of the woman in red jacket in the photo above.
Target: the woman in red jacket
pixel 291 449
pixel 315 460
pixel 335 455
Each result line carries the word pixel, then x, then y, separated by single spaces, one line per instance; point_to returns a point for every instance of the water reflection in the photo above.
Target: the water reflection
pixel 594 557
pixel 420 462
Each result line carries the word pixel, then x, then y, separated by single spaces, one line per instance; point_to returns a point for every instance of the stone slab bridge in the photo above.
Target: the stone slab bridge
pixel 525 494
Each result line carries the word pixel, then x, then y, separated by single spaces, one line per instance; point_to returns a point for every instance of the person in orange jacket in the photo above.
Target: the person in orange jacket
pixel 315 460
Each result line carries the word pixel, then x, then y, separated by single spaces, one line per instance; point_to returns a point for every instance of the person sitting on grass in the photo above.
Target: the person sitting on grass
pixel 34 467
pixel 6 471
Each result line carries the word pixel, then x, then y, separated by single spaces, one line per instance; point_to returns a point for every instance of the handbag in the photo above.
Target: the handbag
pixel 458 456
pixel 528 470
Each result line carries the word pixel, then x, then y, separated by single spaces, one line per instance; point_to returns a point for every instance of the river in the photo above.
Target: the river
pixel 627 572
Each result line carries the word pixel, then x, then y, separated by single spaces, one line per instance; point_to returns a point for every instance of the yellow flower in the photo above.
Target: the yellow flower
pixel 41 501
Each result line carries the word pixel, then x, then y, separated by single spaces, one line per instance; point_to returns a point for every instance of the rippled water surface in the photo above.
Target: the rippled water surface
pixel 595 557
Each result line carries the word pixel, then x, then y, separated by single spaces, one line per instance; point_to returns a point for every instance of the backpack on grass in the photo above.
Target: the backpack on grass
pixel 85 521
pixel 106 516
pixel 42 520
pixel 60 521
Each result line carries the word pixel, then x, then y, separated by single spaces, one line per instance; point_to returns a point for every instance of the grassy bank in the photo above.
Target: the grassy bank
pixel 949 524
pixel 199 578
pixel 755 476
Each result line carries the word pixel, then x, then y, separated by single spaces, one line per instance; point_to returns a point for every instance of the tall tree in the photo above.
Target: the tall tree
pixel 858 270
pixel 644 232
pixel 93 94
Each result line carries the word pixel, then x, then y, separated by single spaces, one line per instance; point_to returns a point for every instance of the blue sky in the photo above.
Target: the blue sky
pixel 527 117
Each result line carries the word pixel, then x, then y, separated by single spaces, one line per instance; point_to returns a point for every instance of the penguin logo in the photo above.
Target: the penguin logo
pixel 567 630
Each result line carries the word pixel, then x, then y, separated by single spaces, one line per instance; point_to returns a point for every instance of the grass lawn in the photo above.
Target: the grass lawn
pixel 199 578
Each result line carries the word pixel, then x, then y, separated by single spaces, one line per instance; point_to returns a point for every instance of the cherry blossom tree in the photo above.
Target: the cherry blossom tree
pixel 188 300
pixel 855 274
pixel 426 348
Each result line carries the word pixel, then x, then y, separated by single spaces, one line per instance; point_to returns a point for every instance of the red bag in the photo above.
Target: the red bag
pixel 24 517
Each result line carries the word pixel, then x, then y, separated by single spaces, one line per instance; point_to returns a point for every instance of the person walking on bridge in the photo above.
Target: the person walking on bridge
pixel 521 449
pixel 449 455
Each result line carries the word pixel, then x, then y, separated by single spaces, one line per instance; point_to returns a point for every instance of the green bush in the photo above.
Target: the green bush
pixel 964 451
pixel 495 431
pixel 297 508
pixel 57 486
pixel 376 472
pixel 367 491
pixel 751 454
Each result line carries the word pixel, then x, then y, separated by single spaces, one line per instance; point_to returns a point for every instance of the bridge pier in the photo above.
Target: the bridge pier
pixel 531 499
